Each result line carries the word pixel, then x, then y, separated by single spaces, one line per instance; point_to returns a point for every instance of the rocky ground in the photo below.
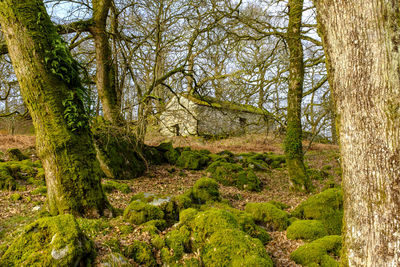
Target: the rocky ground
pixel 27 203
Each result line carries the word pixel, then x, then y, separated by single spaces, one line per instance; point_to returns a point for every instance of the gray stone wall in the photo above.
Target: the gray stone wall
pixel 185 117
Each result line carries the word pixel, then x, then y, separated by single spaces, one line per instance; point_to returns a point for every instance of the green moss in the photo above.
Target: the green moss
pixel 326 206
pixel 232 247
pixel 248 180
pixel 94 227
pixel 118 152
pixel 255 161
pixel 15 197
pixel 7 182
pixel 279 205
pixel 269 215
pixel 153 155
pixel 109 186
pixel 319 175
pixel 116 259
pixel 316 252
pixel 16 154
pixel 306 229
pixel 158 242
pixel 50 241
pixel 210 221
pixel 178 241
pixel 139 212
pixel 276 161
pixel 204 190
pixel 158 224
pixel 248 226
pixel 233 174
pixel 187 215
pixel 192 160
pixel 41 190
pixel 141 252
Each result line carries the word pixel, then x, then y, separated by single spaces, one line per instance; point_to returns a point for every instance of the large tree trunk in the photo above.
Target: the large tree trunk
pixel 362 44
pixel 293 141
pixel 51 88
pixel 105 69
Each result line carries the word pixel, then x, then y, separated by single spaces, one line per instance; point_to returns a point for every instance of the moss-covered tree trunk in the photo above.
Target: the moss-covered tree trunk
pixel 105 69
pixel 299 180
pixel 362 43
pixel 51 88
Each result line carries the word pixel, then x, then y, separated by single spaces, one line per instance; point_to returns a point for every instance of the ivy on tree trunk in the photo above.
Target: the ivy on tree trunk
pixel 51 88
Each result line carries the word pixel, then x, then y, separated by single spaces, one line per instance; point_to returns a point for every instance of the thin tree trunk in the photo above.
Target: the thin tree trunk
pixel 299 180
pixel 51 88
pixel 105 68
pixel 362 44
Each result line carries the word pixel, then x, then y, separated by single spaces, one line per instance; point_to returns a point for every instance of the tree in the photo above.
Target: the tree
pixel 362 44
pixel 105 68
pixel 299 179
pixel 50 85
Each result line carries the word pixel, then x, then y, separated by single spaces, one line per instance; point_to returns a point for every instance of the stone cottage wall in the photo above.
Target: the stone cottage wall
pixel 218 121
pixel 179 118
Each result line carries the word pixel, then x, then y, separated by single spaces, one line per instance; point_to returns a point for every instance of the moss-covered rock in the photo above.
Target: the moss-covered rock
pixel 15 197
pixel 179 242
pixel 118 151
pixel 269 215
pixel 316 174
pixel 16 155
pixel 205 190
pixel 248 180
pixel 153 155
pixel 141 252
pixel 192 160
pixel 7 182
pixel 139 212
pixel 326 206
pixel 317 252
pixel 50 241
pixel 206 223
pixel 233 174
pixel 41 190
pixel 276 161
pixel 256 162
pixel 232 247
pixel 306 229
pixel 25 170
pixel 115 259
pixel 170 154
pixel 110 185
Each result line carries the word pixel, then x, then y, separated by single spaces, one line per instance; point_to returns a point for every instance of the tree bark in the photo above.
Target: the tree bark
pixel 299 180
pixel 51 88
pixel 105 68
pixel 362 44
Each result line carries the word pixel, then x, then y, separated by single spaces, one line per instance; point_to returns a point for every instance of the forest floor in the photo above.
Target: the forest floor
pixel 170 180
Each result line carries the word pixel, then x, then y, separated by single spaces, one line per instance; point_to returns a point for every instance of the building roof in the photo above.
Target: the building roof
pixel 215 103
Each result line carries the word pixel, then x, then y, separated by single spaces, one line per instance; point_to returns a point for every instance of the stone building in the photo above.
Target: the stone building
pixel 204 116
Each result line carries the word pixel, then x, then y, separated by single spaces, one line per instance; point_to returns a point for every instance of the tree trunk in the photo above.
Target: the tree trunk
pixel 299 180
pixel 51 88
pixel 105 69
pixel 361 41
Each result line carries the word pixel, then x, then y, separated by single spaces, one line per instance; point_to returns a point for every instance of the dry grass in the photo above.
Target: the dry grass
pixel 22 142
pixel 248 143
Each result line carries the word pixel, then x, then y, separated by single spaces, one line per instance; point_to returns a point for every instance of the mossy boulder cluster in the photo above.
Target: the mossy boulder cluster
pixel 319 252
pixel 327 207
pixel 320 222
pixel 201 222
pixel 225 167
pixel 50 241
pixel 14 173
pixel 269 215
